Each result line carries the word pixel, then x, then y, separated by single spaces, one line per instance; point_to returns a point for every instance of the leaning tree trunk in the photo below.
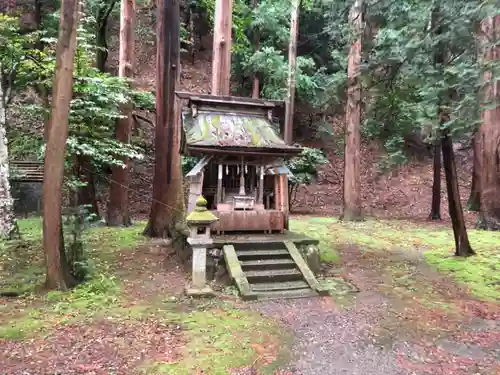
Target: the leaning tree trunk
pixel 118 213
pixel 58 275
pixel 474 201
pixel 462 245
pixel 167 209
pixel 352 178
pixel 8 225
pixel 436 184
pixel 490 140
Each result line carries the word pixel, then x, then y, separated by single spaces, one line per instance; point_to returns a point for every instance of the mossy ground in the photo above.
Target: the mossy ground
pixel 480 273
pixel 130 287
pixel 134 290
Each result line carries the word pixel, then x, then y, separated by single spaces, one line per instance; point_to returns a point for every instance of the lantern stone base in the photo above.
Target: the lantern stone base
pixel 200 292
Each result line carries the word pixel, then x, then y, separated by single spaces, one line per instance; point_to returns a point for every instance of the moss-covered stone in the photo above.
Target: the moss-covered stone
pixel 200 214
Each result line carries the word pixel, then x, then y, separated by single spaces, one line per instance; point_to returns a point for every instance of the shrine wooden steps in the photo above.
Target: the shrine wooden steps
pixel 270 271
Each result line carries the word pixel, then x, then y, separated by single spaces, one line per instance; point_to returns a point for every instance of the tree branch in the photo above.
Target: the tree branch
pixel 142 118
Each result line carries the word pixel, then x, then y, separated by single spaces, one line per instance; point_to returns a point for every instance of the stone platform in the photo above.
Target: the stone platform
pixel 298 239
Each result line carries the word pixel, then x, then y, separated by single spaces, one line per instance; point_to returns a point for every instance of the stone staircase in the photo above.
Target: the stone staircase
pixel 270 271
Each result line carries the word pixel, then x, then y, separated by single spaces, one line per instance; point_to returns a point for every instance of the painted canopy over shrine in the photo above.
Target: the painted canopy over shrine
pixel 229 122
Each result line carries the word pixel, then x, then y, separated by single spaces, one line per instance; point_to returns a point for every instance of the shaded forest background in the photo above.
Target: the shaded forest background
pixel 396 179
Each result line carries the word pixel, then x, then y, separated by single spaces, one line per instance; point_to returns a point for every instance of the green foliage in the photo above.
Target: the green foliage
pixel 78 261
pixel 417 64
pixel 304 168
pixel 188 163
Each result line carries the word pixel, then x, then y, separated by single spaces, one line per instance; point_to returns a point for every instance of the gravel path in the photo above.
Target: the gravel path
pixel 334 341
pixel 330 341
pixel 428 326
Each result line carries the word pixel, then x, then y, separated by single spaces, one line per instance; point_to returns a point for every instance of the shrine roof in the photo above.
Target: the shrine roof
pixel 215 122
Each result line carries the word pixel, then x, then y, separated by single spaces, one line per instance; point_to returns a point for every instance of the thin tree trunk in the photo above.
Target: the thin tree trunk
pixel 255 81
pixel 120 181
pixel 58 276
pixel 462 245
pixel 474 201
pixel 490 141
pixel 167 210
pixel 436 185
pixel 103 12
pixel 352 179
pixel 221 61
pixel 8 224
pixel 292 70
pixel 87 193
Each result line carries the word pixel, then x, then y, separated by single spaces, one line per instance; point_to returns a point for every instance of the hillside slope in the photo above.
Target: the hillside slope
pixel 403 192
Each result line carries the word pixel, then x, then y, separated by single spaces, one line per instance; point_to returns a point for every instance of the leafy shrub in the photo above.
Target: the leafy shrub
pixel 304 168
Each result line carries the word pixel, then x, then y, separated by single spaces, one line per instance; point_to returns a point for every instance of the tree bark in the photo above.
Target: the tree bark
pixel 103 12
pixel 87 193
pixel 118 213
pixel 221 60
pixel 490 140
pixel 58 275
pixel 292 70
pixel 167 210
pixel 352 179
pixel 462 245
pixel 474 201
pixel 8 224
pixel 436 184
pixel 255 81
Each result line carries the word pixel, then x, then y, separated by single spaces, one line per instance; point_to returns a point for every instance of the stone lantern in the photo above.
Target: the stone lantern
pixel 199 221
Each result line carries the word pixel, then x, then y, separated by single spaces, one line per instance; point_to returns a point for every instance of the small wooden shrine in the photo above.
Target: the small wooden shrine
pixel 241 171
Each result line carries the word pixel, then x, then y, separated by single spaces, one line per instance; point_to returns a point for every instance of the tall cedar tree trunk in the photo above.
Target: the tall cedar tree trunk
pixel 58 276
pixel 118 213
pixel 474 201
pixel 167 209
pixel 292 71
pixel 438 59
pixel 8 224
pixel 221 60
pixel 256 81
pixel 490 140
pixel 352 179
pixel 462 245
pixel 436 184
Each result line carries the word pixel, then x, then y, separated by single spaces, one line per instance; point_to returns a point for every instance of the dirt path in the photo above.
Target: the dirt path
pixel 419 324
pixel 329 341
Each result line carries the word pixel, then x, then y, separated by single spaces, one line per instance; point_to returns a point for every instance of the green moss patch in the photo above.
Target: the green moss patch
pixel 22 266
pixel 222 339
pixel 318 228
pixel 480 273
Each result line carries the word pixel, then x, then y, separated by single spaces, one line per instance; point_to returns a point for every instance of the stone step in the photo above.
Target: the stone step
pixel 273 275
pixel 280 294
pixel 262 253
pixel 267 264
pixel 269 287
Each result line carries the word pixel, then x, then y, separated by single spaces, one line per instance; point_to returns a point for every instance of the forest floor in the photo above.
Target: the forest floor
pixel 419 310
